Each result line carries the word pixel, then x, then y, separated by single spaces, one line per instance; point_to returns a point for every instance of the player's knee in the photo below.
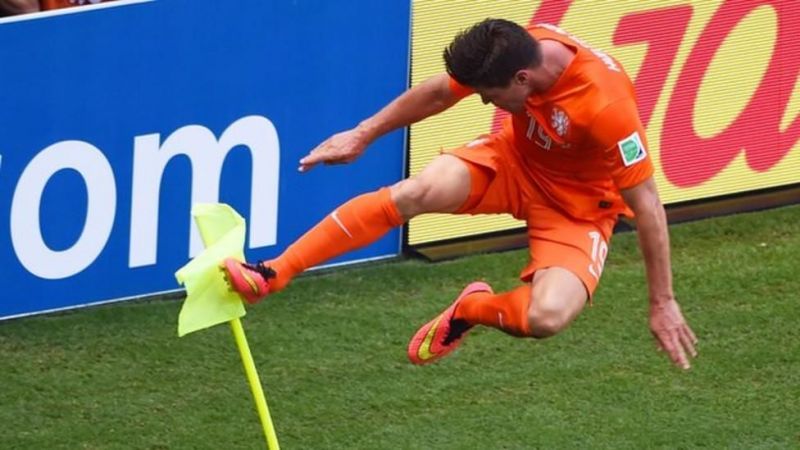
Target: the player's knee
pixel 419 195
pixel 544 325
pixel 410 197
pixel 546 317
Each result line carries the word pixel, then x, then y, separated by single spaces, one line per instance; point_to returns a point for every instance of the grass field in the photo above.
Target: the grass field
pixel 331 354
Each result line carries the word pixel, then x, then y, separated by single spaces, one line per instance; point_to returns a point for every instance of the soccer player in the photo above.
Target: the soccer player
pixel 570 159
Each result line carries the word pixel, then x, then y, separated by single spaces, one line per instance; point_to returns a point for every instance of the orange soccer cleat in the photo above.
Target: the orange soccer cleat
pixel 443 334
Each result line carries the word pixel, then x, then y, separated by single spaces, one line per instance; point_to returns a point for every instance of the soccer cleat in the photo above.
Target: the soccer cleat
pixel 443 334
pixel 250 281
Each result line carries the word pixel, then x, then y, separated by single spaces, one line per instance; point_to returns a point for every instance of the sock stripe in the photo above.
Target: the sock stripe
pixel 506 311
pixel 356 223
pixel 335 217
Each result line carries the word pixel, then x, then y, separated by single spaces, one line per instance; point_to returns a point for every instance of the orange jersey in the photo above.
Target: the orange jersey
pixel 581 141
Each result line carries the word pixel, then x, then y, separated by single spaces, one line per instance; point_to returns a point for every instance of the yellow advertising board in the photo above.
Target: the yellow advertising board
pixel 717 84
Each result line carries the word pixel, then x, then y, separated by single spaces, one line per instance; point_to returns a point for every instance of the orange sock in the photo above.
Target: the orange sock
pixel 358 222
pixel 507 311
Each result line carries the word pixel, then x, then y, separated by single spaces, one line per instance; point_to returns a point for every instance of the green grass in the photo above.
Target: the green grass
pixel 331 354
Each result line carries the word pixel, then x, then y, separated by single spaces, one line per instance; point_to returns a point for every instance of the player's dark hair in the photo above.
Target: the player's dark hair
pixel 489 53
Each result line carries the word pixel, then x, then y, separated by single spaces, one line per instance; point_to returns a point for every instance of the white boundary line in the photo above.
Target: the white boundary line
pixel 84 305
pixel 70 10
pixel 171 291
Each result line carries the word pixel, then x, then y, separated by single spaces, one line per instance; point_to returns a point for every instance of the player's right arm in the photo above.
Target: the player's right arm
pixel 426 99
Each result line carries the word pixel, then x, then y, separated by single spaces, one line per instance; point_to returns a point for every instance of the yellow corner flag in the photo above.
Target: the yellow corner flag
pixel 210 302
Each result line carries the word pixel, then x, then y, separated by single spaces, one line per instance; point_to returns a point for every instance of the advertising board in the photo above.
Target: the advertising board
pixel 717 84
pixel 117 118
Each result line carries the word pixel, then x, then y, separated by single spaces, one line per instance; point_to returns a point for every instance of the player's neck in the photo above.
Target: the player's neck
pixel 555 59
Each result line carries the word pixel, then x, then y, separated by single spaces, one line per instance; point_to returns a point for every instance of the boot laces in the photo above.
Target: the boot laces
pixel 262 269
pixel 457 329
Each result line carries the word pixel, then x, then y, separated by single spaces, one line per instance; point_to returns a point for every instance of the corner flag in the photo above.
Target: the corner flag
pixel 210 302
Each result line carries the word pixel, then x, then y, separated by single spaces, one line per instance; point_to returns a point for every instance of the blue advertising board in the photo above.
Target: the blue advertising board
pixel 114 120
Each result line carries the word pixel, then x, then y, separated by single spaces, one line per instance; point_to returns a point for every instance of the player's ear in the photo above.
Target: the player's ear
pixel 521 77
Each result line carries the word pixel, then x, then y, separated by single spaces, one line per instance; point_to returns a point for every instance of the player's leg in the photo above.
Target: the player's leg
pixel 538 309
pixel 566 263
pixel 441 187
pixel 557 297
pixel 496 189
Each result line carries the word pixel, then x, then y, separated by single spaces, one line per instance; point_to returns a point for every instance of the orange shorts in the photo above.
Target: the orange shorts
pixel 554 238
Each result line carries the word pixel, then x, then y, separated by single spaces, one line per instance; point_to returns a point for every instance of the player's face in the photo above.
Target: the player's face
pixel 510 98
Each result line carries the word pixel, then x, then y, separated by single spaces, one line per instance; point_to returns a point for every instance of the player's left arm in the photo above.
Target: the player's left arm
pixel 618 129
pixel 667 323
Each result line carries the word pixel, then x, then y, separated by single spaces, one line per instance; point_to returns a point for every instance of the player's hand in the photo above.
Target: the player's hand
pixel 672 333
pixel 341 148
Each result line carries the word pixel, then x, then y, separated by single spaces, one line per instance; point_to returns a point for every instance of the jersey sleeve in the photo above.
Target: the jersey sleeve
pixel 459 90
pixel 618 130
